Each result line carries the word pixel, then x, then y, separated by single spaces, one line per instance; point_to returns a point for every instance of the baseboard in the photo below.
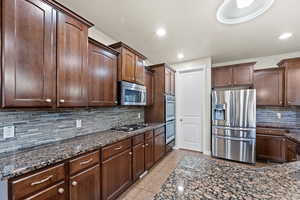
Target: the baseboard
pixel 207 153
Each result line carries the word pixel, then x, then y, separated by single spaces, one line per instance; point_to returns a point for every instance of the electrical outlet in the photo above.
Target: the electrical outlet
pixel 8 132
pixel 139 115
pixel 78 123
pixel 278 115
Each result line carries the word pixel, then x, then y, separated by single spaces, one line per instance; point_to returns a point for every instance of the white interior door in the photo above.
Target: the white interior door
pixel 190 106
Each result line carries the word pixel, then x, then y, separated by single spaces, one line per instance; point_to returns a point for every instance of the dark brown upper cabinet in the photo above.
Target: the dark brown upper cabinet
pixel 139 70
pixel 44 54
pixel 72 62
pixel 172 82
pixel 169 81
pixel 28 64
pixel 269 87
pixel 233 75
pixel 292 81
pixel 150 87
pixel 102 75
pixel 222 77
pixel 130 64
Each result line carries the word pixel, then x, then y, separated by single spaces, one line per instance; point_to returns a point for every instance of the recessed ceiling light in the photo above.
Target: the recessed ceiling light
pixel 161 32
pixel 180 56
pixel 244 3
pixel 285 36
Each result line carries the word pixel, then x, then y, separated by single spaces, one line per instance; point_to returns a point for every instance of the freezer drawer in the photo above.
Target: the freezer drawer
pixel 248 133
pixel 237 149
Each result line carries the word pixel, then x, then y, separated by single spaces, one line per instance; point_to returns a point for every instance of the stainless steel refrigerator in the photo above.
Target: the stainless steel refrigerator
pixel 234 125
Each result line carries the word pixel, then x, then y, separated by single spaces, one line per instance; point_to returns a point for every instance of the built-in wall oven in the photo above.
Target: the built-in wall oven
pixel 132 94
pixel 170 108
pixel 170 131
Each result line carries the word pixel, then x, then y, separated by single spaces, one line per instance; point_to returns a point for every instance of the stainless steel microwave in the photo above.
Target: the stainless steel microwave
pixel 132 94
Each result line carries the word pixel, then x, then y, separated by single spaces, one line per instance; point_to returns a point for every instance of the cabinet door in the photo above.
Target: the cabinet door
pixel 29 66
pixel 222 77
pixel 167 81
pixel 72 49
pixel 242 74
pixel 116 175
pixel 139 71
pixel 292 75
pixel 172 83
pixel 159 149
pixel 138 160
pixel 56 192
pixel 86 185
pixel 149 153
pixel 269 87
pixel 149 85
pixel 128 65
pixel 102 76
pixel 271 147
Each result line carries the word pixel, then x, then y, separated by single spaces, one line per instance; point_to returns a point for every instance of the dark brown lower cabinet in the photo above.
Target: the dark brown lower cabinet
pixel 291 153
pixel 56 192
pixel 271 147
pixel 86 185
pixel 138 160
pixel 116 174
pixel 159 146
pixel 149 153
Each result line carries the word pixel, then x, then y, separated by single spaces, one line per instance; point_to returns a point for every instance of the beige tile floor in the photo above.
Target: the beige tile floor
pixel 147 187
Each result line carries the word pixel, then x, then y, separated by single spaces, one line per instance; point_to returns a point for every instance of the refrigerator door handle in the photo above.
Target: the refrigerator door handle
pixel 235 139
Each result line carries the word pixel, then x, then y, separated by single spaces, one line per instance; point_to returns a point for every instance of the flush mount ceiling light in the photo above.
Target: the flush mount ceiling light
pixel 239 11
pixel 285 36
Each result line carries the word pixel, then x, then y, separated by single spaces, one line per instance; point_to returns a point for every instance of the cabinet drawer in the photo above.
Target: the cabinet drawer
pixel 116 148
pixel 159 131
pixel 57 192
pixel 84 162
pixel 271 131
pixel 292 146
pixel 148 135
pixel 138 139
pixel 38 181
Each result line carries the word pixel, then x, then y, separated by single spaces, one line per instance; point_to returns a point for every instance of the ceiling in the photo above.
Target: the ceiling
pixel 192 28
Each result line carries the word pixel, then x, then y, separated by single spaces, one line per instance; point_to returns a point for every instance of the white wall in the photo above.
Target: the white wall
pixel 205 64
pixel 98 35
pixel 263 62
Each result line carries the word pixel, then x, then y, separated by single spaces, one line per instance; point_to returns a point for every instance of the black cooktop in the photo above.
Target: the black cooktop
pixel 131 127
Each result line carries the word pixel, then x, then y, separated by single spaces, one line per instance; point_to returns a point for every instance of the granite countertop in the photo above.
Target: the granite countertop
pixel 198 178
pixel 23 161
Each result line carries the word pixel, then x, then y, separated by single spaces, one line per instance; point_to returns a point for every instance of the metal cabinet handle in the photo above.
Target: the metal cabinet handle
pixel 74 183
pixel 86 162
pixel 62 101
pixel 130 153
pixel 116 101
pixel 61 190
pixel 118 148
pixel 147 145
pixel 42 181
pixel 143 146
pixel 48 100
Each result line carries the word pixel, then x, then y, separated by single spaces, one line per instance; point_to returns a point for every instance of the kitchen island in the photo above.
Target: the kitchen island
pixel 205 178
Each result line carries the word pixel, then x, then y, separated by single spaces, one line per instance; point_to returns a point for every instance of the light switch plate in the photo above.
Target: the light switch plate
pixel 278 115
pixel 8 132
pixel 78 123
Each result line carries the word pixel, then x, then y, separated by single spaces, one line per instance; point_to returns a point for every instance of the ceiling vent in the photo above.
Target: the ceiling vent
pixel 239 11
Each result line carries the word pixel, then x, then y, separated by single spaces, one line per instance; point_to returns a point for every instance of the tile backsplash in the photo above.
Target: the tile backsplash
pixel 37 127
pixel 278 117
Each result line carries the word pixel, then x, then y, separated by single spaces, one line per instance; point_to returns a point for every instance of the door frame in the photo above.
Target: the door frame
pixel 195 66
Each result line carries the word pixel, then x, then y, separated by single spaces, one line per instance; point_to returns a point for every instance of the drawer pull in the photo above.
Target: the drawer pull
pixel 74 183
pixel 86 162
pixel 48 100
pixel 42 181
pixel 118 148
pixel 130 153
pixel 61 190
pixel 62 101
pixel 143 146
pixel 147 145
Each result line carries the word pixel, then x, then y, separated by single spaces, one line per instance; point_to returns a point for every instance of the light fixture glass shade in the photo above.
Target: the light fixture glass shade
pixel 239 11
pixel 244 3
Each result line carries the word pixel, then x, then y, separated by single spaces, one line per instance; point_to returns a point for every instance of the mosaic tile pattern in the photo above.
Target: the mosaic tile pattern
pixel 38 127
pixel 197 178
pixel 23 161
pixel 267 117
